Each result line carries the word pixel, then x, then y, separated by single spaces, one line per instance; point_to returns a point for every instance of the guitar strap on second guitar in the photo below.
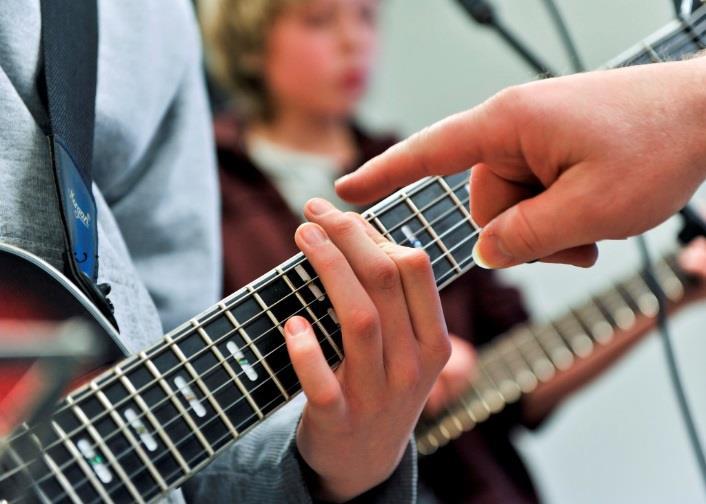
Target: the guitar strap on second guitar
pixel 67 84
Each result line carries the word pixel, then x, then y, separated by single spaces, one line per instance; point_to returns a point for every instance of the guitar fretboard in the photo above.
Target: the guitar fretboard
pixel 516 363
pixel 150 423
pixel 158 417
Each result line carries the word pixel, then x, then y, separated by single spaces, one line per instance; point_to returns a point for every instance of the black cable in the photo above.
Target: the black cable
pixel 484 13
pixel 678 7
pixel 563 31
pixel 672 366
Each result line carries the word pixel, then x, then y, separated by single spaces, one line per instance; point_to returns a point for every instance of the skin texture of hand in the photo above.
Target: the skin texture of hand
pixel 560 164
pixel 455 378
pixel 358 420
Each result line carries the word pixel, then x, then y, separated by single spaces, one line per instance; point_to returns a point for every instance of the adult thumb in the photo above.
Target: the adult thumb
pixel 553 226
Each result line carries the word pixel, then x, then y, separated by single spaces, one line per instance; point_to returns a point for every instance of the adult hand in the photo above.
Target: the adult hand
pixel 455 378
pixel 562 163
pixel 358 420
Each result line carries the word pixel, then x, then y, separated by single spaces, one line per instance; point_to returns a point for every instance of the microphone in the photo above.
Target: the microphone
pixel 484 14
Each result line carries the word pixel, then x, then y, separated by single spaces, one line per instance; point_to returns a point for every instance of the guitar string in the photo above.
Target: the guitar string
pixel 478 390
pixel 491 381
pixel 241 324
pixel 463 405
pixel 119 431
pixel 135 361
pixel 240 374
pixel 686 26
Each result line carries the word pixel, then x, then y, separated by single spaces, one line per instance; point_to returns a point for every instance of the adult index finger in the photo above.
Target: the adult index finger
pixel 449 146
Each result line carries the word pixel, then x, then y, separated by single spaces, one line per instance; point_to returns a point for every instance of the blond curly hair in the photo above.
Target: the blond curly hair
pixel 235 33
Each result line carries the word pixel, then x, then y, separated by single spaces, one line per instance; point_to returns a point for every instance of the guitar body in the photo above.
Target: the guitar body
pixel 31 292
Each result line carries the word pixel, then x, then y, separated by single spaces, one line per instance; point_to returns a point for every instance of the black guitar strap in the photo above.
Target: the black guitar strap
pixel 68 87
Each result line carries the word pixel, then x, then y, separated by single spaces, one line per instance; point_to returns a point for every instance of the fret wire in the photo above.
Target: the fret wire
pixel 401 197
pixel 519 366
pixel 587 317
pixel 554 345
pixel 401 201
pixel 694 36
pixel 177 404
pixel 538 360
pixel 615 307
pixel 230 371
pixel 63 482
pixel 169 396
pixel 490 393
pixel 431 231
pixel 652 53
pixel 644 299
pixel 311 313
pixel 78 458
pixel 475 404
pixel 501 373
pixel 113 464
pixel 22 470
pixel 131 361
pixel 573 332
pixel 670 31
pixel 457 202
pixel 125 429
pixel 251 343
pixel 205 462
pixel 166 439
pixel 669 280
pixel 397 199
pixel 202 386
pixel 675 36
pixel 599 327
pixel 383 229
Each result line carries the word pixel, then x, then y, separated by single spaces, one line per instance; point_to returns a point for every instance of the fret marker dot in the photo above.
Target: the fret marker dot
pixel 136 423
pixel 242 361
pixel 95 460
pixel 411 238
pixel 190 396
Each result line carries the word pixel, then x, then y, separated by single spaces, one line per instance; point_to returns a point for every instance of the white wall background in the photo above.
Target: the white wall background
pixel 620 439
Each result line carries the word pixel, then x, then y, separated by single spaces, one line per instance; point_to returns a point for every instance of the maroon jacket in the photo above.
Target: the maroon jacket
pixel 258 231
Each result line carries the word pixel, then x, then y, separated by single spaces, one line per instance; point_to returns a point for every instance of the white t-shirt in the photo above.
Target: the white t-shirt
pixel 297 175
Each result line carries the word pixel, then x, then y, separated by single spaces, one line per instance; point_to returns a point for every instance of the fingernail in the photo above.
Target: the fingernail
pixel 341 180
pixel 318 206
pixel 313 234
pixel 296 326
pixel 494 254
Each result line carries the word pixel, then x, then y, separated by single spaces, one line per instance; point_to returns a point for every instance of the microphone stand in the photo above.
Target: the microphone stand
pixel 484 13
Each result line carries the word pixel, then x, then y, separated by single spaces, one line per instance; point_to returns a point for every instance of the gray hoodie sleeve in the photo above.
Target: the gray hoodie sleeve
pixel 264 467
pixel 164 196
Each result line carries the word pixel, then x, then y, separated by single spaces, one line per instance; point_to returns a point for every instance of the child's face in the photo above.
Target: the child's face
pixel 319 55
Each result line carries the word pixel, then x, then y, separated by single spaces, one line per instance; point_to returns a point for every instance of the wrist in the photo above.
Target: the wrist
pixel 340 477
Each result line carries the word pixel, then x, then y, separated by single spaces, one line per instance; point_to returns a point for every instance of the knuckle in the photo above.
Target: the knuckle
pixel 408 376
pixel 343 224
pixel 513 99
pixel 526 236
pixel 364 323
pixel 324 397
pixel 384 274
pixel 417 144
pixel 416 259
pixel 439 347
